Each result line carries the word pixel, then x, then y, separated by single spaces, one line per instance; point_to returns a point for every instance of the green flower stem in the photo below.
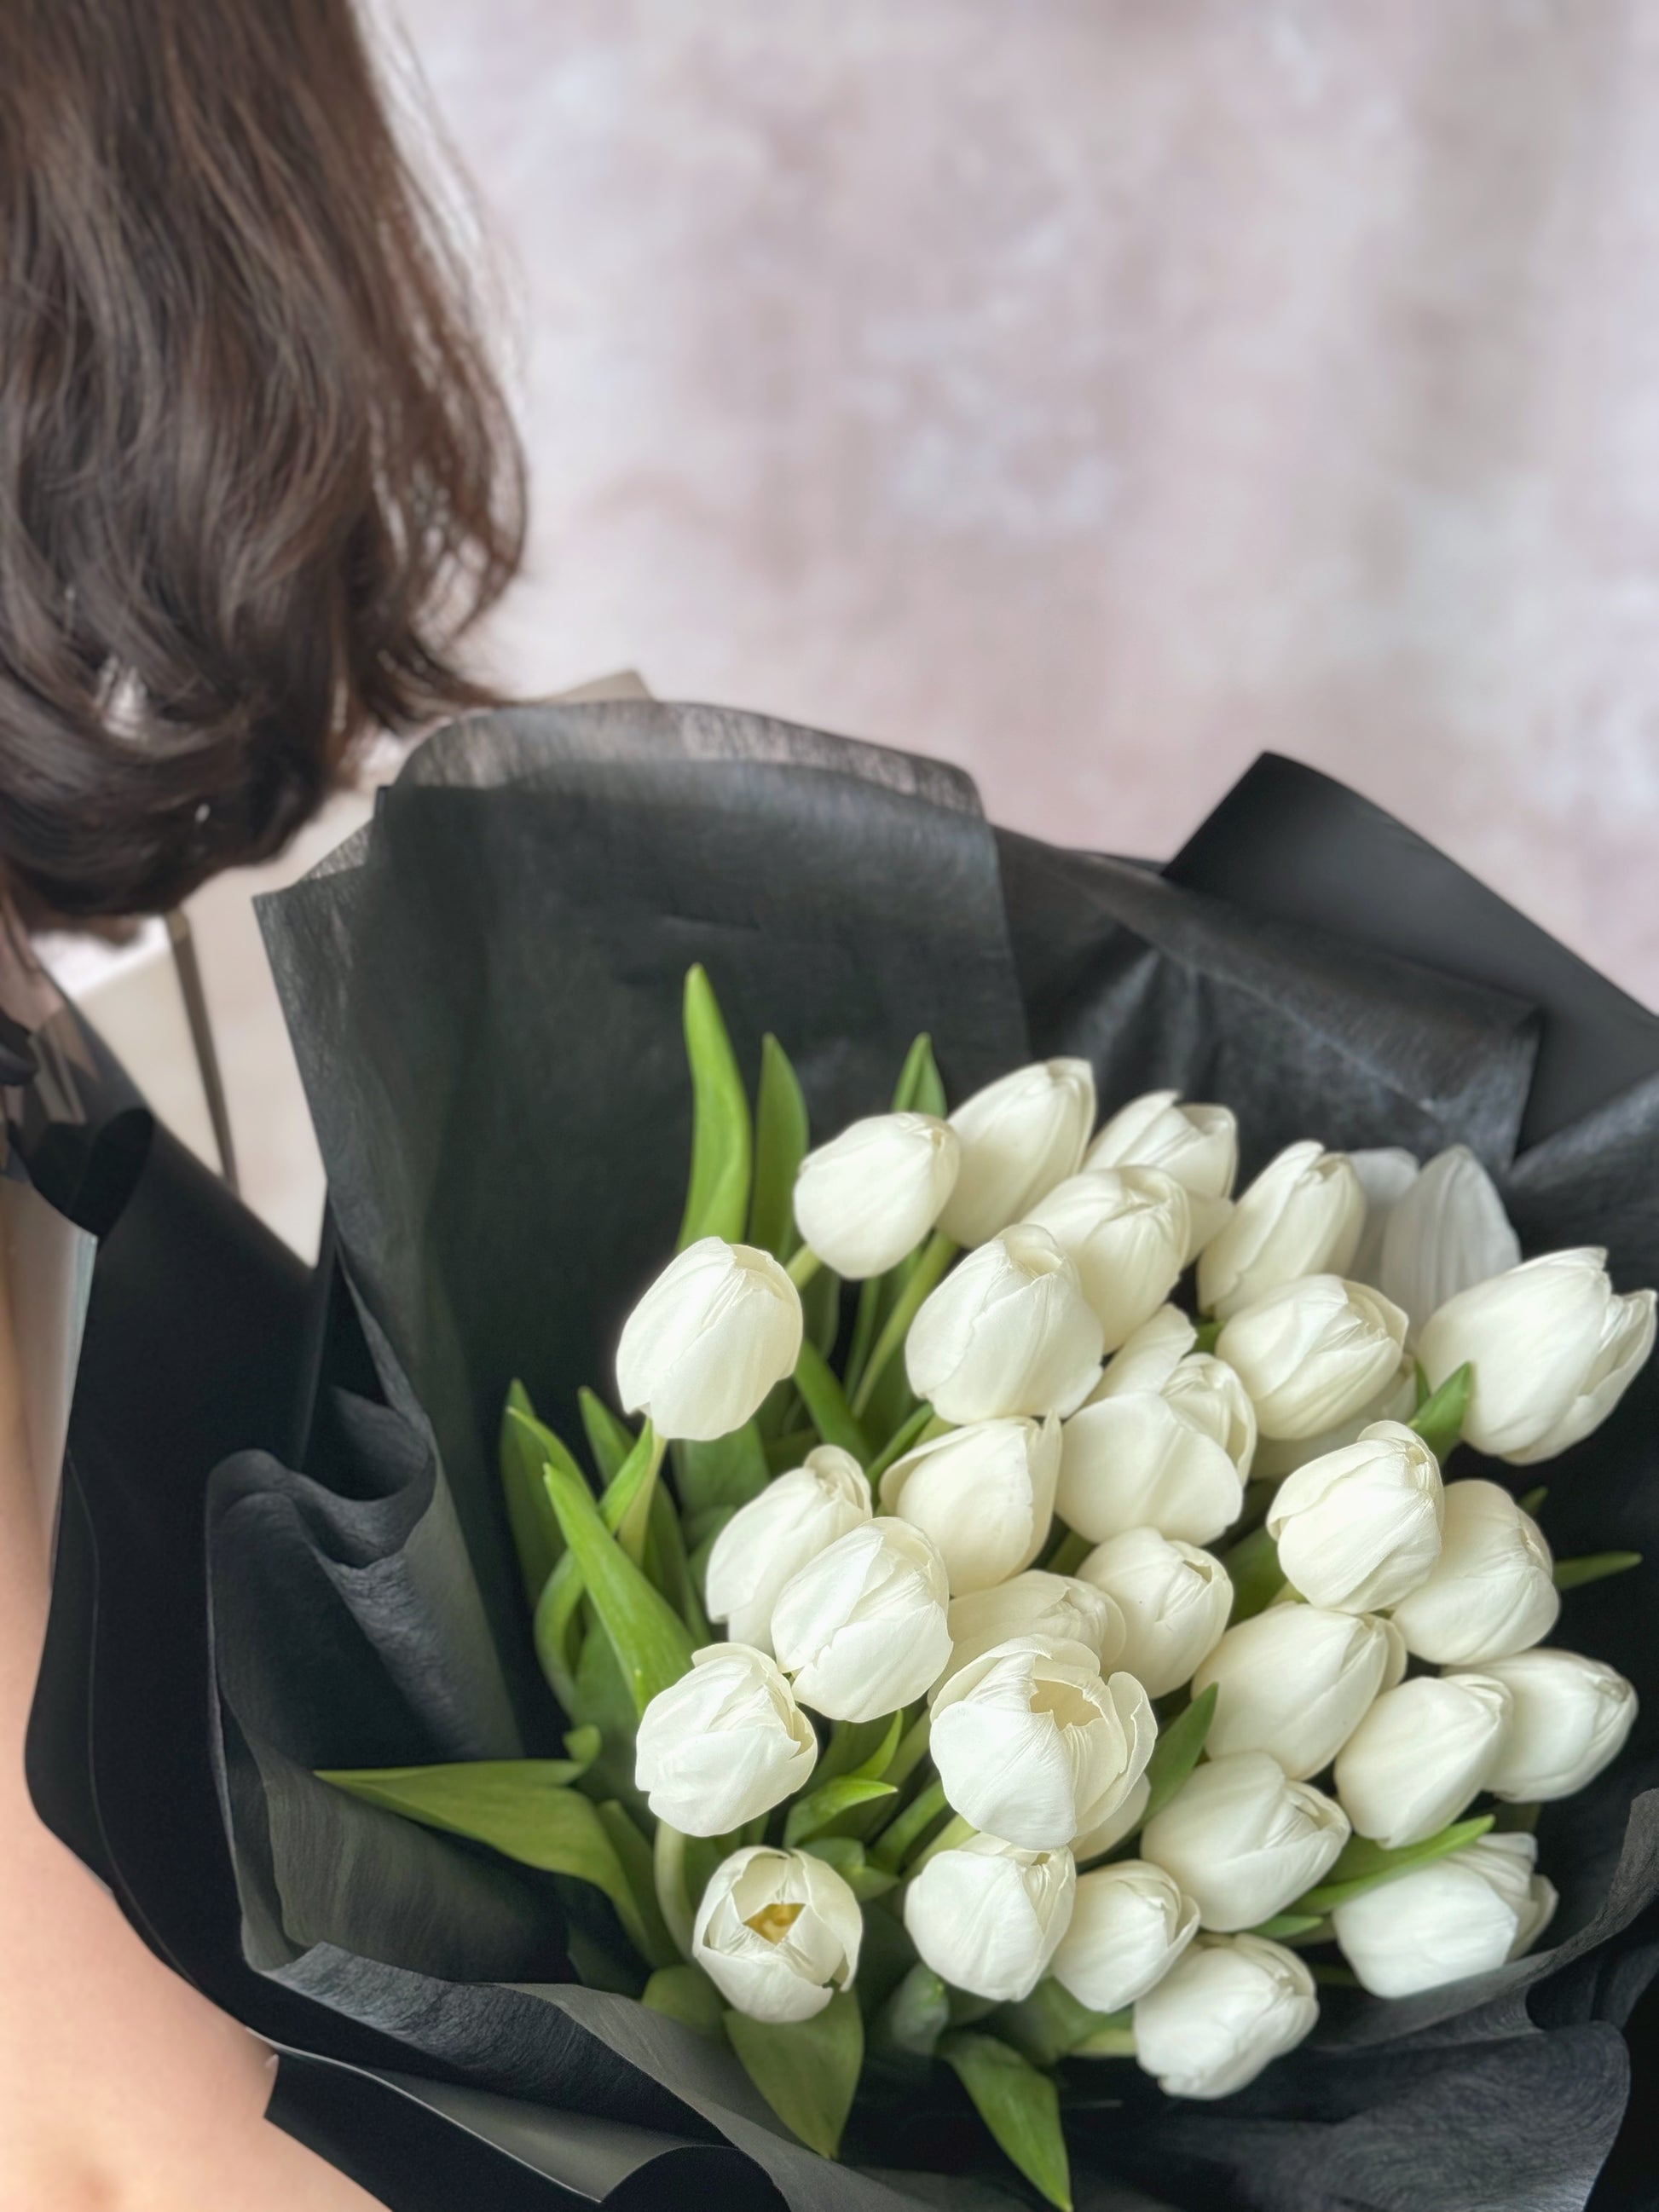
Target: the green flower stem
pixel 936 1258
pixel 912 1750
pixel 908 1827
pixel 1069 1553
pixel 958 1831
pixel 805 1265
pixel 1208 1331
pixel 668 1865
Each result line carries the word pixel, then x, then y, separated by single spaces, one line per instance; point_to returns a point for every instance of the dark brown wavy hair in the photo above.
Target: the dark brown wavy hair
pixel 256 476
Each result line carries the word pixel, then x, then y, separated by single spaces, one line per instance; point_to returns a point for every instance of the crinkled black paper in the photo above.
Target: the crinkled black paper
pixel 484 988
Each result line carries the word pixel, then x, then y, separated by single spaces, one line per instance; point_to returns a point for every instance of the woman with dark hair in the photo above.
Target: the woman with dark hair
pixel 256 481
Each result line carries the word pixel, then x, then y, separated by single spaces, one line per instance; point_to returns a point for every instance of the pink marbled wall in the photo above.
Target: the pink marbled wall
pixel 1097 392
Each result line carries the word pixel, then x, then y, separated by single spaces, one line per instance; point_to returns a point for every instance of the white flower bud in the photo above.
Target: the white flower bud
pixel 1115 1827
pixel 1033 1745
pixel 718 1326
pixel 986 1916
pixel 1313 1352
pixel 1165 1442
pixel 1360 1528
pixel 1302 1216
pixel 1062 1607
pixel 1007 1332
pixel 1445 1232
pixel 1196 1144
pixel 724 1744
pixel 1568 1718
pixel 1492 1591
pixel 1174 1599
pixel 1295 1682
pixel 1229 2007
pixel 984 1493
pixel 1020 1137
pixel 1385 1175
pixel 1421 1756
pixel 1129 1924
pixel 862 1627
pixel 1465 1914
pixel 777 1933
pixel 1278 1456
pixel 795 1517
pixel 1125 1231
pixel 869 1196
pixel 1552 1348
pixel 1244 1841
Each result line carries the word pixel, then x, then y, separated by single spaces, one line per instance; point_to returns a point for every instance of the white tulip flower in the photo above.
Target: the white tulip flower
pixel 1361 1528
pixel 1446 1231
pixel 1115 1827
pixel 1165 1441
pixel 724 1744
pixel 1196 1144
pixel 1465 1914
pixel 862 1628
pixel 718 1326
pixel 1229 2007
pixel 1385 1175
pixel 1492 1591
pixel 1568 1718
pixel 1125 1231
pixel 1296 1681
pixel 1302 1216
pixel 795 1517
pixel 1020 1137
pixel 1033 1745
pixel 869 1196
pixel 987 1917
pixel 984 1493
pixel 1278 1456
pixel 1243 1840
pixel 1552 1348
pixel 1421 1756
pixel 1130 1923
pixel 1174 1599
pixel 777 1933
pixel 1062 1607
pixel 1311 1353
pixel 1007 1332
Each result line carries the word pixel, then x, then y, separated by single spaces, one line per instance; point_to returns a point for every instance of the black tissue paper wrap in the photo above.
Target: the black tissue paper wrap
pixel 484 988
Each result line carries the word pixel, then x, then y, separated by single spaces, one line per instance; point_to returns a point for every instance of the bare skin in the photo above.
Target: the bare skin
pixel 121 2088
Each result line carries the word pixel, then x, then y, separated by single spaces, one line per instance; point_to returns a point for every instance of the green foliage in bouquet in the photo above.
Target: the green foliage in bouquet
pixel 991 1763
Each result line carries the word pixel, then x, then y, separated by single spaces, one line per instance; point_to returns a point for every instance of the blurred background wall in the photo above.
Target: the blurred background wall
pixel 1095 392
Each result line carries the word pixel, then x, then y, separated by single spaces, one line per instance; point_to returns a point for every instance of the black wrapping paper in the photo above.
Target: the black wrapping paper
pixel 484 988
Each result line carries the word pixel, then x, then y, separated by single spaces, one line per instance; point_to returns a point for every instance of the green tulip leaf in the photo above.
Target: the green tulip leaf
pixel 1252 1568
pixel 1439 1419
pixel 1594 1567
pixel 919 1090
pixel 781 1142
pixel 687 1995
pixel 1531 1502
pixel 610 1439
pixel 915 2015
pixel 526 1447
pixel 1049 2025
pixel 1363 1865
pixel 1020 2107
pixel 520 1808
pixel 873 1768
pixel 1283 1925
pixel 651 1643
pixel 846 1855
pixel 720 1476
pixel 1178 1750
pixel 826 1402
pixel 807 2071
pixel 717 1196
pixel 811 1814
pixel 907 1433
pixel 820 1309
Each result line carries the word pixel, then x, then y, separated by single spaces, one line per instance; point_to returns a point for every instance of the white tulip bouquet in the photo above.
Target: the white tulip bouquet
pixel 1001 1663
